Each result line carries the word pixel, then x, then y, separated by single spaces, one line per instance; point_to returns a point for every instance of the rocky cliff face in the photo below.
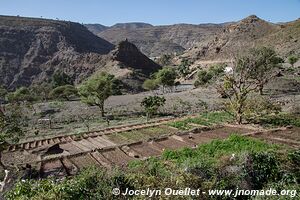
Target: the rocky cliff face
pixel 32 49
pixel 157 40
pixel 129 65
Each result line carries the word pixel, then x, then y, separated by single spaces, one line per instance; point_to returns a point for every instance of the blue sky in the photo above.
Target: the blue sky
pixel 157 12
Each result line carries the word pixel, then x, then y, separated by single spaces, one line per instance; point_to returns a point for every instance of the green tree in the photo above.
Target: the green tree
pixel 42 90
pixel 264 66
pixel 205 76
pixel 64 92
pixel 292 59
pixel 183 68
pixel 239 84
pixel 166 77
pixel 150 84
pixel 151 104
pixel 21 94
pixel 97 89
pixel 60 78
pixel 164 60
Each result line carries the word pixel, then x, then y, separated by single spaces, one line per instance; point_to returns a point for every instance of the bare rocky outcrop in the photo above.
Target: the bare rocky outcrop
pixel 157 40
pixel 31 50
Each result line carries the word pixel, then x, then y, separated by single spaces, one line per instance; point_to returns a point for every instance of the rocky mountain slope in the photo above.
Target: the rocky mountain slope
pixel 32 49
pixel 249 32
pixel 156 40
pixel 207 42
pixel 129 65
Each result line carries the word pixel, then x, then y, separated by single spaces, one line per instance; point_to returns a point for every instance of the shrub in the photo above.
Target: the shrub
pixel 151 104
pixel 261 168
pixel 65 92
pixel 150 84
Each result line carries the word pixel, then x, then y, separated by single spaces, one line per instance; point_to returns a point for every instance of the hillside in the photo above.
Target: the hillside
pixel 129 65
pixel 207 41
pixel 31 50
pixel 249 32
pixel 156 40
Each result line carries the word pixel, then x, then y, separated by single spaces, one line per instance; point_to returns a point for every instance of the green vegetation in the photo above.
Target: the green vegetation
pixel 164 60
pixel 11 124
pixel 41 91
pixel 265 62
pixel 205 119
pixel 206 76
pixel 60 78
pixel 166 77
pixel 65 92
pixel 151 104
pixel 282 119
pixel 97 89
pixel 21 94
pixel 293 59
pixel 150 84
pixel 139 135
pixel 92 183
pixel 250 72
pixel 183 69
pixel 221 164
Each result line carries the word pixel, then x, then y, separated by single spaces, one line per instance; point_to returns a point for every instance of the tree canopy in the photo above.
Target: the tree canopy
pixel 151 104
pixel 166 76
pixel 97 89
pixel 60 78
pixel 292 59
pixel 64 92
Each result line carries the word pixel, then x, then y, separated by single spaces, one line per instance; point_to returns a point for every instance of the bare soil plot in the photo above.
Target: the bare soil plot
pixel 53 168
pixel 145 149
pixel 290 137
pixel 71 148
pixel 116 138
pixel 116 156
pixel 87 144
pixel 157 131
pixel 218 133
pixel 171 143
pixel 80 146
pixel 71 169
pixel 135 135
pixel 104 142
pixel 96 143
pixel 292 134
pixel 83 161
pixel 101 159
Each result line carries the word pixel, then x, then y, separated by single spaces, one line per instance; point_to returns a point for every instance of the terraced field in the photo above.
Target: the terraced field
pixel 65 156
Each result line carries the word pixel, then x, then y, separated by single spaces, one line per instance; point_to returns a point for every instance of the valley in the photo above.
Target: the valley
pixel 86 108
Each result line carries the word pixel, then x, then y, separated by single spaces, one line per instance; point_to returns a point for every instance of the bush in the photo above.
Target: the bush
pixel 150 84
pixel 281 119
pixel 205 76
pixel 261 168
pixel 60 78
pixel 151 104
pixel 65 92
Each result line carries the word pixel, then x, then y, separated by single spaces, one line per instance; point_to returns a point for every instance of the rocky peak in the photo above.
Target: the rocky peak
pixel 251 19
pixel 130 55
